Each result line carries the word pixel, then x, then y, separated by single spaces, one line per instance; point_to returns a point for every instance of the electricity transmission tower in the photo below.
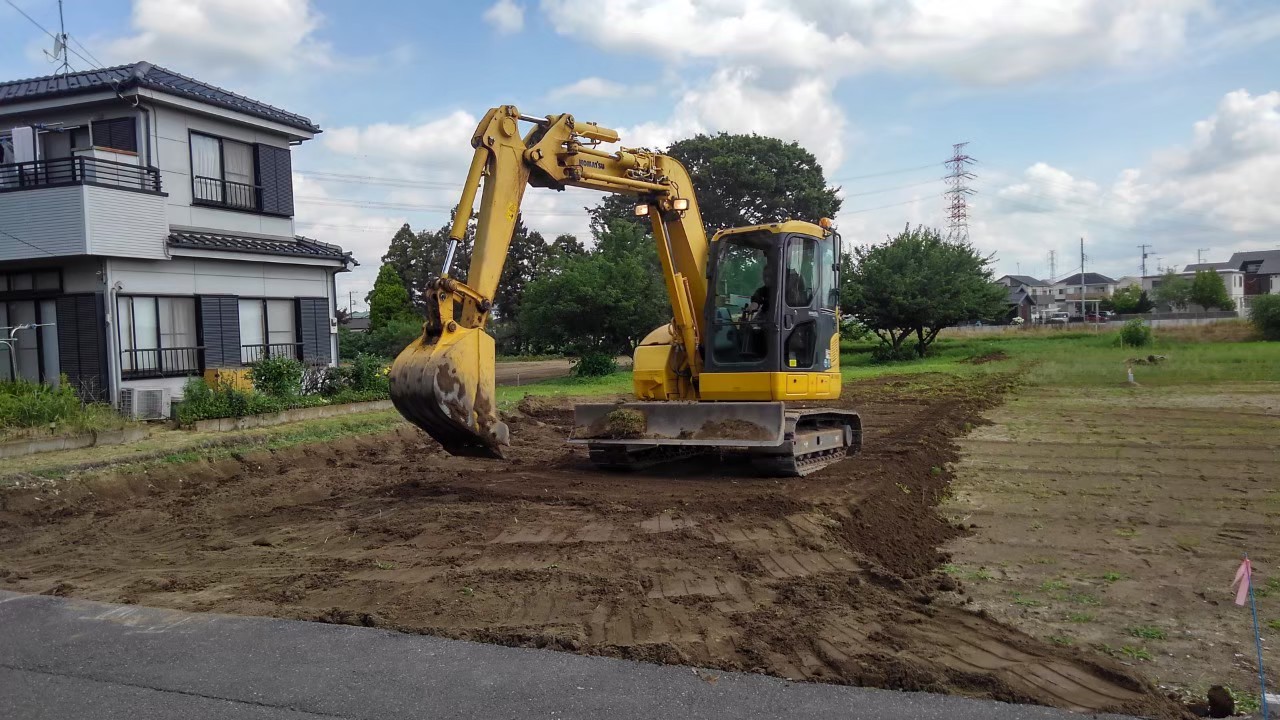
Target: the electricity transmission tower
pixel 958 192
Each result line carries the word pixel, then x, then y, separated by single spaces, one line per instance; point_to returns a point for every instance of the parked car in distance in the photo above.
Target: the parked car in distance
pixel 1097 317
pixel 1058 318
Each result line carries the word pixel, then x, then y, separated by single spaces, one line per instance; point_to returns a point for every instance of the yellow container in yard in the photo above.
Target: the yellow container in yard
pixel 234 378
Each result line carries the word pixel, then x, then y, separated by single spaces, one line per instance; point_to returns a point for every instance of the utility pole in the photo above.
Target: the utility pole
pixel 1081 280
pixel 957 195
pixel 1144 249
pixel 1200 254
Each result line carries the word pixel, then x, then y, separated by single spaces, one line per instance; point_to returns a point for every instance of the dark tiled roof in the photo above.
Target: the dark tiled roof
pixel 1089 279
pixel 1270 260
pixel 1026 280
pixel 1193 267
pixel 299 246
pixel 145 75
pixel 1018 295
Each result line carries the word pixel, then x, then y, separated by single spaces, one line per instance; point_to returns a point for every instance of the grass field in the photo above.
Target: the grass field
pixel 1085 359
pixel 1111 516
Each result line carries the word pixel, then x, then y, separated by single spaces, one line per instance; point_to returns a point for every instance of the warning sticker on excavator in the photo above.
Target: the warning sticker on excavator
pixel 512 209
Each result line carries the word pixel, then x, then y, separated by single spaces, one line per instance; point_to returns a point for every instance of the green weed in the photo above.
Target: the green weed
pixel 1112 577
pixel 1053 585
pixel 1080 618
pixel 1147 632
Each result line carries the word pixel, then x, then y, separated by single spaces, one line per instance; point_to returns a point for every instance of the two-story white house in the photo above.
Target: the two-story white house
pixel 1079 293
pixel 1246 275
pixel 146 233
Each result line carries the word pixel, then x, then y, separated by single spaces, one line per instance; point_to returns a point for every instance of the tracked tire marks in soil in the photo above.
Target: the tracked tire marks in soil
pixel 831 577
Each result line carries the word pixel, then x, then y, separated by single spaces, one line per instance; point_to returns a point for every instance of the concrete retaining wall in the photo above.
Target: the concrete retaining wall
pixel 30 446
pixel 288 416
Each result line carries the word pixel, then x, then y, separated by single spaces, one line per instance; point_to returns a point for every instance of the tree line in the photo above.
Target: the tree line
pixel 567 296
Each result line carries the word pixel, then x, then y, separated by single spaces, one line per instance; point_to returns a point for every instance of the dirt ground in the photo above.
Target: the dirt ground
pixel 1115 520
pixel 836 577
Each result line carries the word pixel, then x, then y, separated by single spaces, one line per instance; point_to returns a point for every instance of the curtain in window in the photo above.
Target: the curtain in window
pixel 251 331
pixel 206 166
pixel 25 341
pixel 280 324
pixel 177 322
pixel 239 158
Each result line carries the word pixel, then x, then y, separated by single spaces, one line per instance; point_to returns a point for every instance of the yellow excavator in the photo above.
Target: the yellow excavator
pixel 754 317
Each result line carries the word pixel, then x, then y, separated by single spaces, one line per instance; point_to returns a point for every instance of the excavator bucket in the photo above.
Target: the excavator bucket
pixel 444 384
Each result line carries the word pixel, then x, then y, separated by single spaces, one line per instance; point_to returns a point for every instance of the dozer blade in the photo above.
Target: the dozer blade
pixel 708 424
pixel 778 441
pixel 446 387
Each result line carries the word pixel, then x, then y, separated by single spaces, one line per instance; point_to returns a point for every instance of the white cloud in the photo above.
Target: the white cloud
pixel 590 87
pixel 742 100
pixel 1216 192
pixel 506 16
pixel 224 38
pixel 989 42
pixel 444 142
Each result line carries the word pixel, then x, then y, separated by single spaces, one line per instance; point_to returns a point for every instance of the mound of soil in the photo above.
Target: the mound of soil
pixel 995 356
pixel 832 577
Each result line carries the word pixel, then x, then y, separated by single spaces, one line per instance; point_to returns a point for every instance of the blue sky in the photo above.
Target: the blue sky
pixel 1121 121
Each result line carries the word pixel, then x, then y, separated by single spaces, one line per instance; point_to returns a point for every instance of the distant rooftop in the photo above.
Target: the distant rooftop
pixel 1270 260
pixel 1193 267
pixel 143 74
pixel 1026 280
pixel 1089 279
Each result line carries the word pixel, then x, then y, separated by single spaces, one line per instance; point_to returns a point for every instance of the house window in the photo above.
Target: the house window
pixel 157 336
pixel 116 134
pixel 222 172
pixel 267 329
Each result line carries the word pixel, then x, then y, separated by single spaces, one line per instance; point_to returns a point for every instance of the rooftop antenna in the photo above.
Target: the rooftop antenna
pixel 60 44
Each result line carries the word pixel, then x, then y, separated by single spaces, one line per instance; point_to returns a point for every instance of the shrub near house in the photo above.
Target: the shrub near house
pixel 284 384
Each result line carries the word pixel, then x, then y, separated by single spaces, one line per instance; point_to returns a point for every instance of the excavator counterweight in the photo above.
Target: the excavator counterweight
pixel 754 317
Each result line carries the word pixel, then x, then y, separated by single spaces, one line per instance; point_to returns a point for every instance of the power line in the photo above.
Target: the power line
pixel 30 19
pixel 899 171
pixel 24 242
pixel 882 207
pixel 98 62
pixel 891 189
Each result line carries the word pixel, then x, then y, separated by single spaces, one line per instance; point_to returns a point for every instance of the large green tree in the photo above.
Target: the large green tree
pixel 918 283
pixel 740 180
pixel 1210 292
pixel 1173 290
pixel 602 301
pixel 389 300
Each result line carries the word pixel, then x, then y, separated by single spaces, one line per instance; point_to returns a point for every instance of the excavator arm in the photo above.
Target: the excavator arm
pixel 444 381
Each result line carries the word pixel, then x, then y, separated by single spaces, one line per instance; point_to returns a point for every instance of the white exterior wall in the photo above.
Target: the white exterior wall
pixel 51 219
pixel 203 276
pixel 171 130
pixel 120 222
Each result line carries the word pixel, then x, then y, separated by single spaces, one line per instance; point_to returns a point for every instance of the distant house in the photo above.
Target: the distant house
pixel 1096 287
pixel 1029 298
pixel 149 234
pixel 1246 275
pixel 357 321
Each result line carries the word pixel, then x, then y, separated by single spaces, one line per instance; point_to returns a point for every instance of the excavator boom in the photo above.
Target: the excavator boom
pixel 443 381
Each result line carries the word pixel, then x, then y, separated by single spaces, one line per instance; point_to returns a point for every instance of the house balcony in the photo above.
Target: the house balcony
pixel 81 205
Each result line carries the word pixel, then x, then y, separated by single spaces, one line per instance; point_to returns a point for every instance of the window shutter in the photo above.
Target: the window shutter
pixel 82 346
pixel 117 134
pixel 275 174
pixel 220 330
pixel 313 330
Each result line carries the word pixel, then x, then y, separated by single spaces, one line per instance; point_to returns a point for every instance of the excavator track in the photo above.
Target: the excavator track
pixel 789 443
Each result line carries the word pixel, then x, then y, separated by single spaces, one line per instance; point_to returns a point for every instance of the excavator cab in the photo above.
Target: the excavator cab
pixel 772 309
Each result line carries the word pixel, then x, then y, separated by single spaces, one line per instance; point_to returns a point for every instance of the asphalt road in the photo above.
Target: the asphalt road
pixel 63 658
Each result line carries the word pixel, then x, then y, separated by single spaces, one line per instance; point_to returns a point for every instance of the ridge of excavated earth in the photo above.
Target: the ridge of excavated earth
pixel 833 577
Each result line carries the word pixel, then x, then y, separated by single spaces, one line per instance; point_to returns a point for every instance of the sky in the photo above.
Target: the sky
pixel 1122 122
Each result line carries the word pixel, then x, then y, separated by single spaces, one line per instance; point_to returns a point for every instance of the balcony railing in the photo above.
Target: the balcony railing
pixel 225 193
pixel 250 354
pixel 77 171
pixel 161 362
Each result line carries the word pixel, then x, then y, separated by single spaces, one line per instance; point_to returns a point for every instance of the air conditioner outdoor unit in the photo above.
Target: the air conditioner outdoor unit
pixel 144 403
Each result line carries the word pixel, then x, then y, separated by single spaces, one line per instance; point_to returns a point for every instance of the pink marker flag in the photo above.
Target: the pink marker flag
pixel 1244 577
